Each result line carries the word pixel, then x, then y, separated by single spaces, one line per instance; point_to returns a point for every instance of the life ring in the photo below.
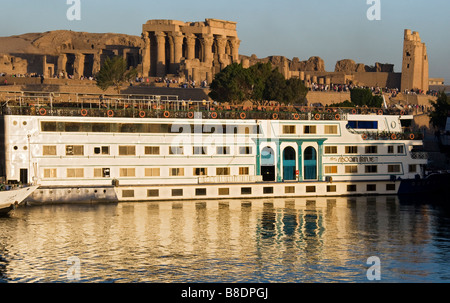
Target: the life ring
pixel 190 115
pixel 394 137
pixel 275 116
pixel 214 115
pixel 411 136
pixel 142 114
pixel 402 113
pixel 219 108
pixel 317 116
pixel 354 111
pixel 110 113
pixel 42 111
pixel 329 111
pixel 296 116
pixel 166 114
pixel 364 137
pixel 337 117
pixel 84 112
pixel 243 115
pixel 380 112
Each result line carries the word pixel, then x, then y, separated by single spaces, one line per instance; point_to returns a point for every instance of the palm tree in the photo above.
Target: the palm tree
pixel 114 72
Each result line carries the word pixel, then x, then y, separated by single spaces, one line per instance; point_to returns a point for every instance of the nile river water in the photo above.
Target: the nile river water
pixel 287 240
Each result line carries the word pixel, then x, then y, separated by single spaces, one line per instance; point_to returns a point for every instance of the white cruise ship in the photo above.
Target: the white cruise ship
pixel 159 148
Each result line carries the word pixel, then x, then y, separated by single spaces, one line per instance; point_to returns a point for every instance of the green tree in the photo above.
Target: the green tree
pixel 114 72
pixel 438 117
pixel 259 73
pixel 295 92
pixel 364 97
pixel 232 84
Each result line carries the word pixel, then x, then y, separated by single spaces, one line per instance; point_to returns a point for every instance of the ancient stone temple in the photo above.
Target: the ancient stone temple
pixel 194 50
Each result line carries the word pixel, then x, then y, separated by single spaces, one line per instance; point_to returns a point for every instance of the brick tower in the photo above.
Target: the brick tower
pixel 415 63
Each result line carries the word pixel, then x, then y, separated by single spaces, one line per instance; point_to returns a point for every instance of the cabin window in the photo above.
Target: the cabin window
pixel 200 191
pixel 363 124
pixel 390 187
pixel 331 129
pixel 289 129
pixel 153 193
pixel 394 168
pixel 177 192
pixel 74 150
pixel 310 189
pixel 400 149
pixel 244 171
pixel 331 188
pixel 50 173
pixel 246 191
pixel 371 169
pixel 152 150
pixel 289 190
pixel 127 150
pixel 390 149
pixel 176 172
pixel 152 172
pixel 128 172
pixel 331 169
pixel 371 187
pixel 200 150
pixel 75 173
pixel 200 171
pixel 223 150
pixel 331 150
pixel 176 150
pixel 49 150
pixel 245 150
pixel 351 188
pixel 102 172
pixel 224 191
pixel 101 150
pixel 372 149
pixel 351 149
pixel 222 171
pixel 412 168
pixel 309 129
pixel 267 190
pixel 351 169
pixel 127 193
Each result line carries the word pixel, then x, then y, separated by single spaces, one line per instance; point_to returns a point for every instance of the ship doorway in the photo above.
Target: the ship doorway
pixel 24 176
pixel 310 163
pixel 289 166
pixel 268 164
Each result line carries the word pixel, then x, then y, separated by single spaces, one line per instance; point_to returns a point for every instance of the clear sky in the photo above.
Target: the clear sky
pixel 331 29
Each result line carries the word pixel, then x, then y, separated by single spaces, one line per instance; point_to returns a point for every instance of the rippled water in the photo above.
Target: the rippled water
pixel 291 240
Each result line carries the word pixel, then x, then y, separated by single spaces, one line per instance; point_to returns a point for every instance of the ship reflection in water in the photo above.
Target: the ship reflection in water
pixel 289 240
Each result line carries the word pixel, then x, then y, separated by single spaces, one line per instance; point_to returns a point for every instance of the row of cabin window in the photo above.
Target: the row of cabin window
pixel 369 169
pixel 149 172
pixel 310 129
pixel 266 190
pixel 130 150
pixel 370 149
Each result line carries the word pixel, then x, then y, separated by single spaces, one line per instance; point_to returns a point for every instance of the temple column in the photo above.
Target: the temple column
pixel 161 54
pixel 207 49
pixel 178 50
pixel 96 64
pixel 221 45
pixel 146 61
pixel 235 49
pixel 190 41
pixel 62 62
pixel 78 66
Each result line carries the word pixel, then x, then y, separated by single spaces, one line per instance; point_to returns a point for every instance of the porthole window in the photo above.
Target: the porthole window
pixel 14 122
pixel 16 148
pixel 24 123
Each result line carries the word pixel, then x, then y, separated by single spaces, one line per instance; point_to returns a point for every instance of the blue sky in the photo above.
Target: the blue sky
pixel 331 29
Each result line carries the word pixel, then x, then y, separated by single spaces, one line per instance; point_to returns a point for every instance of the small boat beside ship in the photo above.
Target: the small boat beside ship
pixel 12 198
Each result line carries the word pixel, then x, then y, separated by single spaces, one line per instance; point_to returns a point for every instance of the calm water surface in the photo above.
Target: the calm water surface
pixel 288 240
